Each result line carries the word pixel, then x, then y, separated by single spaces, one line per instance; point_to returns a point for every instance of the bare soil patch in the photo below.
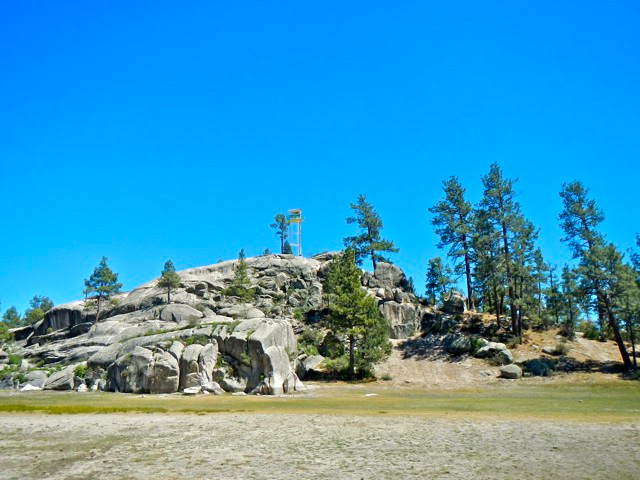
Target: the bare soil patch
pixel 229 446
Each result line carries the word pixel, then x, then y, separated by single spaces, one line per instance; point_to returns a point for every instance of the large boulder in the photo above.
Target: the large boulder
pixel 404 318
pixel 180 313
pixel 130 372
pixel 164 373
pixel 62 316
pixel 36 378
pixel 189 367
pixel 454 303
pixel 207 361
pixel 457 344
pixel 277 373
pixel 388 275
pixel 62 380
pixel 512 372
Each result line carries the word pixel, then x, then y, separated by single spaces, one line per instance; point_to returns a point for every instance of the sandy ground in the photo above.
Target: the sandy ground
pixel 228 446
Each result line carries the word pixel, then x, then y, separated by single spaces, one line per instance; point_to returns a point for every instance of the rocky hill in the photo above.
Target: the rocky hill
pixel 204 339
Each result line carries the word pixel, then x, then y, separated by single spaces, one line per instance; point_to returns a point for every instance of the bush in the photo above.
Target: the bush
pixel 562 348
pixel 539 367
pixel 81 370
pixel 337 367
pixel 15 359
pixel 310 340
pixel 590 330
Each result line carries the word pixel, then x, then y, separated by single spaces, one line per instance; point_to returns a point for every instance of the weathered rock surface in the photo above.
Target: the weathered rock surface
pixel 457 344
pixel 142 345
pixel 490 349
pixel 512 372
pixel 455 303
pixel 62 380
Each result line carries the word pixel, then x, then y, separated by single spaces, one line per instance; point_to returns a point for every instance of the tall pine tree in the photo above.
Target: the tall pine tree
pixel 453 222
pixel 600 263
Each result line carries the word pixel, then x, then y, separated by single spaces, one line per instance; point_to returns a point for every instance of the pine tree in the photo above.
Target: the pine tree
pixel 368 242
pixel 503 214
pixel 568 303
pixel 438 279
pixel 453 222
pixel 102 284
pixel 169 278
pixel 281 226
pixel 488 273
pixel 241 284
pixel 600 264
pixel 38 306
pixel 354 314
pixel 12 318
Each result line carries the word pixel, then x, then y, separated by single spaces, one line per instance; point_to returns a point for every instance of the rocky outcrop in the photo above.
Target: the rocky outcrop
pixel 206 337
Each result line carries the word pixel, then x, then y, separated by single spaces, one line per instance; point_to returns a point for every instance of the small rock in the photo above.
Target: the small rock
pixel 192 390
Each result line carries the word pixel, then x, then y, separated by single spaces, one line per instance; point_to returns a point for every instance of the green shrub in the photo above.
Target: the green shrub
pixel 337 367
pixel 14 359
pixel 386 377
pixel 199 339
pixel 589 330
pixel 81 370
pixel 310 340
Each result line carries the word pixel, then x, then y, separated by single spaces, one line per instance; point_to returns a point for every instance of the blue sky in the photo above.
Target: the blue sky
pixel 147 131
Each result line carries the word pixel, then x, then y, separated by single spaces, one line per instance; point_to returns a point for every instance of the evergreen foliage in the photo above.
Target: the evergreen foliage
pixel 368 242
pixel 241 284
pixel 453 223
pixel 102 284
pixel 438 279
pixel 601 272
pixel 355 315
pixel 281 226
pixel 514 238
pixel 12 318
pixel 169 278
pixel 38 306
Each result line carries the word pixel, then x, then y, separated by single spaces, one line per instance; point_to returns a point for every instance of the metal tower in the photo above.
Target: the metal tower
pixel 295 230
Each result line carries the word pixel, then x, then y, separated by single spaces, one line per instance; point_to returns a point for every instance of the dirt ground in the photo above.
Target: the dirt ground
pixel 229 446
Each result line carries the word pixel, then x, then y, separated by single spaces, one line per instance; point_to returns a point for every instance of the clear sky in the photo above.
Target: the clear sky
pixel 151 130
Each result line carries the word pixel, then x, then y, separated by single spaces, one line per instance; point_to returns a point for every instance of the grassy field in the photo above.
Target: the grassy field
pixel 606 402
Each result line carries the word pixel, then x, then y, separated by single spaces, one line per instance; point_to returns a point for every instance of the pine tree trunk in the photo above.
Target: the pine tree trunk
pixel 352 358
pixel 515 326
pixel 616 333
pixel 467 271
pixel 633 344
pixel 98 309
pixel 168 294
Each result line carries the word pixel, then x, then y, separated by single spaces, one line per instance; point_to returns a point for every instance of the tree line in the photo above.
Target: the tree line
pixel 492 246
